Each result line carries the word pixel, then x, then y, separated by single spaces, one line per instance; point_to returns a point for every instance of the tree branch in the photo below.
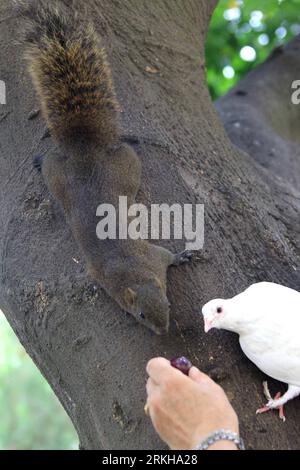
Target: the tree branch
pixel 92 354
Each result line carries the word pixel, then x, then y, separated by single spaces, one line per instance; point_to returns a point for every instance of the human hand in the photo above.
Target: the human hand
pixel 185 410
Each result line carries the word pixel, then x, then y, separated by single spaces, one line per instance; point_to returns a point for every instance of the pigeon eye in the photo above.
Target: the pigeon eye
pixel 142 316
pixel 219 310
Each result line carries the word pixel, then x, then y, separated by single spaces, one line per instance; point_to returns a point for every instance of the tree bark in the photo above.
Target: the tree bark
pixel 92 354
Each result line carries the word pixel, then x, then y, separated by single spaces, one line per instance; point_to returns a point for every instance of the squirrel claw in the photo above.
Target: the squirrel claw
pixel 183 257
pixel 37 162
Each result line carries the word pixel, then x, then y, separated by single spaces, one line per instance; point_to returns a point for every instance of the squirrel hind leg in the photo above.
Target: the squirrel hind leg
pixel 38 162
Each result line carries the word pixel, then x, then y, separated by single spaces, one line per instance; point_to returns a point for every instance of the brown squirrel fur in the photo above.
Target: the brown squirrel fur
pixel 91 165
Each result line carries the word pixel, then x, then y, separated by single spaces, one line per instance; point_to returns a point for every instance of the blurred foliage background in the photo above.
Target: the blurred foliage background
pixel 242 34
pixel 31 417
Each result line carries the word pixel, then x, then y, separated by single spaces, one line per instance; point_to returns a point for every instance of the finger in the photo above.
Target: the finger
pixel 197 376
pixel 151 387
pixel 159 369
pixel 156 366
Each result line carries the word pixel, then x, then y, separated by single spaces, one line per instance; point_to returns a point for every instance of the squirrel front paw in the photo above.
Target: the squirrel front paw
pixel 183 257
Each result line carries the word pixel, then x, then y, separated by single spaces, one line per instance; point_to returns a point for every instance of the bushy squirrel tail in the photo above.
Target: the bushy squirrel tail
pixel 70 72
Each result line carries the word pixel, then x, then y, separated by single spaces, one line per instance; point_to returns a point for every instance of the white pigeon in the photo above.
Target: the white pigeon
pixel 266 317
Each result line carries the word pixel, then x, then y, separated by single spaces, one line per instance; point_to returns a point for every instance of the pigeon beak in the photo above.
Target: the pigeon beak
pixel 207 325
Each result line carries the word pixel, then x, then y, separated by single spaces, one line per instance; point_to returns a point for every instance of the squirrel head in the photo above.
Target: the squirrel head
pixel 149 305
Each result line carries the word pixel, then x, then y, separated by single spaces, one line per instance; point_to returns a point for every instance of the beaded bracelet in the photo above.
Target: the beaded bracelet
pixel 221 435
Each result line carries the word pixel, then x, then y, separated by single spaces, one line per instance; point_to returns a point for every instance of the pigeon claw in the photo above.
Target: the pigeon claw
pixel 281 414
pixel 262 410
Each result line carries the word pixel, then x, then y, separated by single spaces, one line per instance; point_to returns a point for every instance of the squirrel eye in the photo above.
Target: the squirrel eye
pixel 219 310
pixel 142 316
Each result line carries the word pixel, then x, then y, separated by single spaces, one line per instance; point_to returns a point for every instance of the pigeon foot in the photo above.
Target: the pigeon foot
pixel 271 403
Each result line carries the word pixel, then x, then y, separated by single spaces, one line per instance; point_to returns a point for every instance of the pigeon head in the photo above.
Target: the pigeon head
pixel 216 314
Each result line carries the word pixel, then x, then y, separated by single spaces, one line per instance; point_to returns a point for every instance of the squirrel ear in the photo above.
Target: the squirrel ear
pixel 130 296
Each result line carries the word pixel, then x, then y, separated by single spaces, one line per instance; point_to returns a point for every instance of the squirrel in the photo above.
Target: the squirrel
pixel 91 165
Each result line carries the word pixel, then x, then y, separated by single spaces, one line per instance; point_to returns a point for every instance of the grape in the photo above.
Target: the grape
pixel 182 364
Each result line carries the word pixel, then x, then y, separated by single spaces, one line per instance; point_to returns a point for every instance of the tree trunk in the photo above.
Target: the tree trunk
pixel 92 354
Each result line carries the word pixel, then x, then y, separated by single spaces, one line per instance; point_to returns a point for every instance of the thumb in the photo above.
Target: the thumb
pixel 197 376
